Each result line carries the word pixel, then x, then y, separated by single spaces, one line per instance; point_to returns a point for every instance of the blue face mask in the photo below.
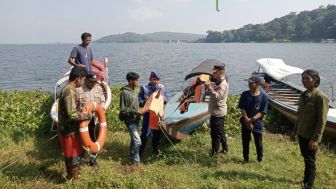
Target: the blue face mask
pixel 153 88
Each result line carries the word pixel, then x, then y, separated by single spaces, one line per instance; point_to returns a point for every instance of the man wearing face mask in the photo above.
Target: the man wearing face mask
pixel 218 91
pixel 145 92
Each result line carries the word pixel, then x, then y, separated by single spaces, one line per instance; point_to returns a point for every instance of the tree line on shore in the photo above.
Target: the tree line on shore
pixel 312 26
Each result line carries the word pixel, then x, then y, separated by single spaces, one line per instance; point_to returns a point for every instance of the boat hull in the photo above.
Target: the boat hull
pixel 184 128
pixel 290 112
pixel 180 125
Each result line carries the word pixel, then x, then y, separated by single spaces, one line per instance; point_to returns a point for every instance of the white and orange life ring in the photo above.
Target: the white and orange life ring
pixel 88 144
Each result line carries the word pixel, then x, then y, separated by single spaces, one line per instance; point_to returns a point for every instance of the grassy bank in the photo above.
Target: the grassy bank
pixel 38 162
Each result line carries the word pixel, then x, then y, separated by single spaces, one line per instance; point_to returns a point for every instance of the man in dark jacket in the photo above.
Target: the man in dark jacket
pixel 68 125
pixel 312 117
pixel 129 113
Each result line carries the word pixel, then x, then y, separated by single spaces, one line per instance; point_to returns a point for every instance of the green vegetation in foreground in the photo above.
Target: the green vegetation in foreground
pixel 312 25
pixel 44 167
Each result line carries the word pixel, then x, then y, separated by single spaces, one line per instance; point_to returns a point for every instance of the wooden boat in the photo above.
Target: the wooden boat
pixel 284 95
pixel 188 109
pixel 62 82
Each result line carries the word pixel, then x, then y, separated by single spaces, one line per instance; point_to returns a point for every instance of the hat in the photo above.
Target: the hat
pixel 155 75
pixel 218 68
pixel 92 77
pixel 255 79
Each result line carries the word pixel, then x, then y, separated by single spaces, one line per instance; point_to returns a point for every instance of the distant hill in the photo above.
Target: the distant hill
pixel 312 25
pixel 150 37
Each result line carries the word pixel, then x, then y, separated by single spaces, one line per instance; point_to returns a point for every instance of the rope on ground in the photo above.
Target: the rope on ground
pixel 184 160
pixel 20 155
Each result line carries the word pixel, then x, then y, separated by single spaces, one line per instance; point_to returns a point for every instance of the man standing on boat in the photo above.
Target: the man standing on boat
pixel 253 105
pixel 129 113
pixel 145 92
pixel 91 91
pixel 81 55
pixel 218 92
pixel 311 120
pixel 68 125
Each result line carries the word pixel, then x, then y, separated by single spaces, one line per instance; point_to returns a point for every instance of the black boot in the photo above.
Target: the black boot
pixel 72 172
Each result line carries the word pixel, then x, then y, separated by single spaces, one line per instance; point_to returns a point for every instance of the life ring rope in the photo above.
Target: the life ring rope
pixel 87 143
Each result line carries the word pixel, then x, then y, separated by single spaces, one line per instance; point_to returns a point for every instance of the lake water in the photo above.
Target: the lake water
pixel 27 67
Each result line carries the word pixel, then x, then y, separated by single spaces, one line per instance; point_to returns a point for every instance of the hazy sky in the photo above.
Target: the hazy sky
pixel 49 21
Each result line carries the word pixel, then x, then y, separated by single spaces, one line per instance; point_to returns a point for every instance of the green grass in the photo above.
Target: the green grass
pixel 281 168
pixel 38 163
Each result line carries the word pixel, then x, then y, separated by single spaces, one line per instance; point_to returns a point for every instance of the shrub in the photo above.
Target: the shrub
pixel 24 113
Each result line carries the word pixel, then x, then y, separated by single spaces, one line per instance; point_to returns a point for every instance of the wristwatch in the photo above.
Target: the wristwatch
pixel 253 119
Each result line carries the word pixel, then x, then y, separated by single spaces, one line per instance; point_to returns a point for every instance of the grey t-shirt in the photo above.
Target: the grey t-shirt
pixel 82 55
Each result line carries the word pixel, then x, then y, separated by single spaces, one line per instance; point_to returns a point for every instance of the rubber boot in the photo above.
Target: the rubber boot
pixel 73 172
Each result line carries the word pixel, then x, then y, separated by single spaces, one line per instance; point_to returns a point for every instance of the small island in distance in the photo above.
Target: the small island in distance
pixel 161 37
pixel 318 25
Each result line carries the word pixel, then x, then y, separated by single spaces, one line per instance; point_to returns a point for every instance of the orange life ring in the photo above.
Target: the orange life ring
pixel 87 143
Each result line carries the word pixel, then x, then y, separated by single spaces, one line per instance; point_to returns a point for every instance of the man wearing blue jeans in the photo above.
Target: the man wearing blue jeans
pixel 129 113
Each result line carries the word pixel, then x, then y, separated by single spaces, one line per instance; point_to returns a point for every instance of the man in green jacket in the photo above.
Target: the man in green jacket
pixel 129 113
pixel 68 125
pixel 310 124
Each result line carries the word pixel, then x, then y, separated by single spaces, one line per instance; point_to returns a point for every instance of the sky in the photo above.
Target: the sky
pixel 54 21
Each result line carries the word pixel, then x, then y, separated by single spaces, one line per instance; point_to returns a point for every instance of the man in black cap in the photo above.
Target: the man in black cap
pixel 145 92
pixel 91 91
pixel 218 91
pixel 253 105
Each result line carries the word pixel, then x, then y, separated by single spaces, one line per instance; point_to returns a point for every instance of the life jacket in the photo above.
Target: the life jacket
pixel 147 90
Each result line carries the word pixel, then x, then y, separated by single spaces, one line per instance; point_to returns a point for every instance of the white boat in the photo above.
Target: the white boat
pixel 284 95
pixel 62 82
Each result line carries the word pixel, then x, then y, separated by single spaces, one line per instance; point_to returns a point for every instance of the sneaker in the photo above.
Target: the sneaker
pixel 223 151
pixel 156 152
pixel 137 166
pixel 93 162
pixel 213 153
pixel 306 186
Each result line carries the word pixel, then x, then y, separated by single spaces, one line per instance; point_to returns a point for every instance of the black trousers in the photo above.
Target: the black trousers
pixel 156 137
pixel 246 138
pixel 157 134
pixel 309 160
pixel 218 134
